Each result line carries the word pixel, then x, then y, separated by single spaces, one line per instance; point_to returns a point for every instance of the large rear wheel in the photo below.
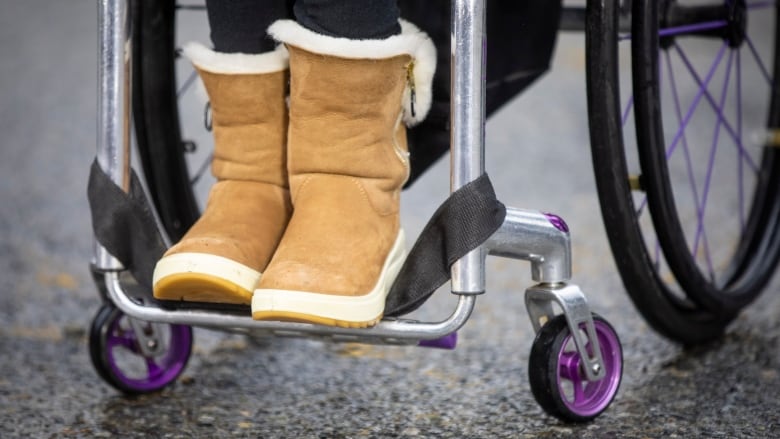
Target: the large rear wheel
pixel 690 203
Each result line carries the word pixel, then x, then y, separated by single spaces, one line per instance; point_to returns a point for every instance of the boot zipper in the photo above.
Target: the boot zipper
pixel 410 83
pixel 402 155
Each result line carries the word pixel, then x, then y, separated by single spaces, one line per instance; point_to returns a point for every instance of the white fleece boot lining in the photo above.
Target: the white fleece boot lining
pixel 236 63
pixel 411 41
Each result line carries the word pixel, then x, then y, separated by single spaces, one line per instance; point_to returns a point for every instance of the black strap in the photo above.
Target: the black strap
pixel 124 224
pixel 462 223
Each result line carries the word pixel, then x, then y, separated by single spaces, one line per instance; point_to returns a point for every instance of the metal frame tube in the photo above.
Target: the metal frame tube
pixel 387 331
pixel 113 131
pixel 467 123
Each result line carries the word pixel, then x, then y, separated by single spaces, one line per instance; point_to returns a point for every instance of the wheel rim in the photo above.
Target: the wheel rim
pixel 139 372
pixel 589 398
pixel 729 255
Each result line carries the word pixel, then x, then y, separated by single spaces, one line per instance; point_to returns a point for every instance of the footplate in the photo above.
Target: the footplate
pixel 539 300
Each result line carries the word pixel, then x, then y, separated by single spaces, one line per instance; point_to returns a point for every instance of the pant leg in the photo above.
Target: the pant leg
pixel 238 26
pixel 355 19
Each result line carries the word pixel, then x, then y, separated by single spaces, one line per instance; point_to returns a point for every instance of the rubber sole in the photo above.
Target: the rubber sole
pixel 200 277
pixel 329 309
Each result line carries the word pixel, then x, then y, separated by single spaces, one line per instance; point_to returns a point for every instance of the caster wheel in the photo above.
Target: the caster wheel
pixel 556 376
pixel 120 360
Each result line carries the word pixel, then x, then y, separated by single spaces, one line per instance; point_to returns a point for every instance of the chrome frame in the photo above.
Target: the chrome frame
pixel 113 139
pixel 525 235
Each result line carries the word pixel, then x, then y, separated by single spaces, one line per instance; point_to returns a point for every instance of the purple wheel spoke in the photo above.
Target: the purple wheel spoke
pixel 711 100
pixel 579 396
pixel 696 100
pixel 692 28
pixel 685 29
pixel 627 111
pixel 761 4
pixel 710 167
pixel 760 63
pixel 686 149
pixel 152 369
pixel 187 83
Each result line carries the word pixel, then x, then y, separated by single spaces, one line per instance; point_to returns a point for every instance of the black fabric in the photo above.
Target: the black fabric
pixel 239 26
pixel 356 19
pixel 462 223
pixel 521 37
pixel 124 224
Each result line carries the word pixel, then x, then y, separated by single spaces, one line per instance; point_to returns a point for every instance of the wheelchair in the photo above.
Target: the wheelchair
pixel 687 283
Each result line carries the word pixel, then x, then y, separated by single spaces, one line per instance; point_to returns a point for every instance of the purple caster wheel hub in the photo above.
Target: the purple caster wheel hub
pixel 589 398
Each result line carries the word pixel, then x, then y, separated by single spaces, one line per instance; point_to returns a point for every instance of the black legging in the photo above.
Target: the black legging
pixel 240 25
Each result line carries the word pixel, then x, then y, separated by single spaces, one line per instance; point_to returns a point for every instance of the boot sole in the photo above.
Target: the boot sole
pixel 330 309
pixel 200 277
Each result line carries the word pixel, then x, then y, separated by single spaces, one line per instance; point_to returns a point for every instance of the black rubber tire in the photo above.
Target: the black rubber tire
pixel 97 348
pixel 156 116
pixel 678 319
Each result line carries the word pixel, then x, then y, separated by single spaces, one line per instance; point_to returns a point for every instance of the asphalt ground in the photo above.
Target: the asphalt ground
pixel 235 386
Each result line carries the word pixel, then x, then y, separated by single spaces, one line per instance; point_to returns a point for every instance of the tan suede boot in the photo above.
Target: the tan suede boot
pixel 222 256
pixel 347 162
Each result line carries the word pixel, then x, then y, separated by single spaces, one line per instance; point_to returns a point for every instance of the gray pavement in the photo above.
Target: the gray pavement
pixel 243 387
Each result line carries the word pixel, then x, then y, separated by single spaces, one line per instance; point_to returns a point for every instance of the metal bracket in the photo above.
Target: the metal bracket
pixel 539 301
pixel 148 335
pixel 539 238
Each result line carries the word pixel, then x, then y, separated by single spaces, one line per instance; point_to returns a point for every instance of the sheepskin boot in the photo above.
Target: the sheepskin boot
pixel 347 161
pixel 222 256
